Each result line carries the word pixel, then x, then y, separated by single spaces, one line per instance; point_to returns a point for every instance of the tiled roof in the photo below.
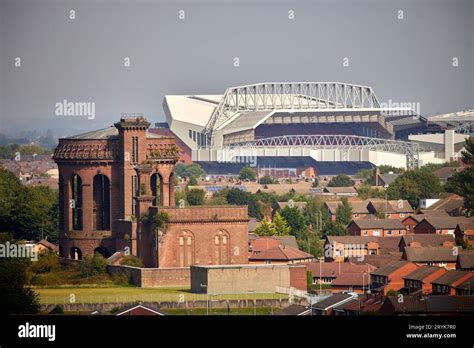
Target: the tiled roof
pixel 334 300
pixel 351 279
pixel 421 273
pixel 357 207
pixel 388 179
pixel 427 239
pixel 450 203
pixel 389 268
pixel 391 206
pixel 466 259
pixel 334 269
pixel 285 253
pixel 432 304
pixel 377 260
pixel 430 254
pixel 49 245
pixel 466 285
pixel 448 222
pixel 386 244
pixel 386 224
pixel 294 309
pixel 451 277
pixel 340 189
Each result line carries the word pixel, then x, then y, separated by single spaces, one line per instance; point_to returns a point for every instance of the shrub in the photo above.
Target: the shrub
pixel 132 260
pixel 120 278
pixel 47 262
pixel 93 265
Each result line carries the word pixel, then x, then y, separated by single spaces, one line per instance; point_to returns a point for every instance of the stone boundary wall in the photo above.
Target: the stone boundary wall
pixel 107 307
pixel 154 277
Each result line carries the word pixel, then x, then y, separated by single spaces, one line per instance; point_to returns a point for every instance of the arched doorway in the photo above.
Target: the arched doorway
pixel 103 251
pixel 76 202
pixel 101 208
pixel 76 253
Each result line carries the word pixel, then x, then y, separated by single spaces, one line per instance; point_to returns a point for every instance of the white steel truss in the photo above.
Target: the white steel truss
pixel 338 142
pixel 290 96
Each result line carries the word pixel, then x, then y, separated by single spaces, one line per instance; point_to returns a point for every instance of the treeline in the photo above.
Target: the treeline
pixel 10 151
pixel 30 213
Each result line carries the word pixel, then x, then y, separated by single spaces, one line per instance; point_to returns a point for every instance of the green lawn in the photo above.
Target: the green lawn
pixel 134 294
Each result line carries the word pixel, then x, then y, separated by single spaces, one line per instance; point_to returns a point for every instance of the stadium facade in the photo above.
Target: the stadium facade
pixel 325 121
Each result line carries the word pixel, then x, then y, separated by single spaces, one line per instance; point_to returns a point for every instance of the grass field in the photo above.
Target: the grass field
pixel 133 294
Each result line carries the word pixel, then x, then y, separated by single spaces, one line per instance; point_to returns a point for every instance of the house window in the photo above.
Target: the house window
pixel 389 232
pixel 402 215
pixel 376 233
pixel 372 252
pixel 389 216
pixel 190 134
pixel 364 233
pixel 356 215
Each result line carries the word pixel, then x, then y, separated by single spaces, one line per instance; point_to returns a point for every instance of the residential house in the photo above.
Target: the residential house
pixel 430 305
pixel 363 304
pixel 294 310
pixel 466 288
pixel 446 284
pixel 341 191
pixel 279 206
pixel 359 209
pixel 327 272
pixel 442 225
pixel 465 260
pixel 384 180
pixel 281 255
pixel 464 232
pixel 258 244
pixel 390 276
pixel 357 248
pixel 376 227
pixel 440 256
pixel 325 307
pixel 390 209
pixel 45 246
pixel 451 204
pixel 351 282
pixel 419 281
pixel 443 174
pixel 426 240
pixel 411 221
pixel 139 309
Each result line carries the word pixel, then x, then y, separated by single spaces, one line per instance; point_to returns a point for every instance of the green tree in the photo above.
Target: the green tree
pixel 468 152
pixel 131 260
pixel 315 214
pixel 461 183
pixel 333 228
pixel 385 169
pixel 247 173
pixel 16 297
pixel 192 181
pixel 267 180
pixel 344 212
pixel 366 191
pixel 266 228
pixel 413 185
pixel 238 197
pixel 93 265
pixel 342 180
pixel 366 173
pixel 195 196
pixel 295 221
pixel 187 170
pixel 281 226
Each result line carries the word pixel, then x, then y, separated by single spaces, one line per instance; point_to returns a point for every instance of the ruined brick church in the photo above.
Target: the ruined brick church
pixel 111 181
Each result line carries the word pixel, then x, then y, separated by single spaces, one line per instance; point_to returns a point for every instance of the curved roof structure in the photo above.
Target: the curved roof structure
pixel 290 96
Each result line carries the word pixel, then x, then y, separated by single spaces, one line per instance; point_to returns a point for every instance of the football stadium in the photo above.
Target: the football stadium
pixel 330 126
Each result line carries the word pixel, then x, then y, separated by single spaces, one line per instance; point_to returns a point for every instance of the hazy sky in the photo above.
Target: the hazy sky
pixel 82 59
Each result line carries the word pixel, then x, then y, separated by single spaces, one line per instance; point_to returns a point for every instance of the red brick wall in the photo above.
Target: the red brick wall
pixel 298 277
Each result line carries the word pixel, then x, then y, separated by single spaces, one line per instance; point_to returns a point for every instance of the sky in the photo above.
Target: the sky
pixel 405 50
